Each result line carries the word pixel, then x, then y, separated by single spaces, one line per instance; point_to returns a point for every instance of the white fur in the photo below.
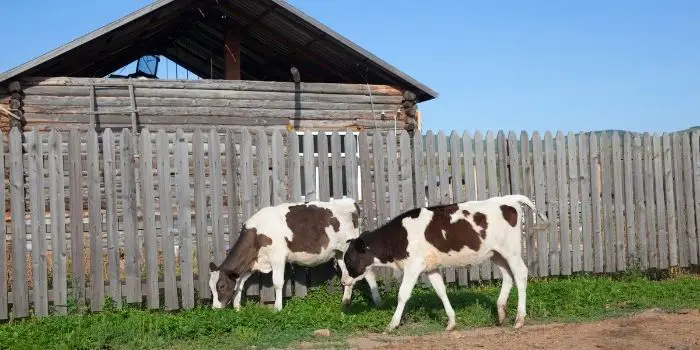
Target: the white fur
pixel 271 221
pixel 424 257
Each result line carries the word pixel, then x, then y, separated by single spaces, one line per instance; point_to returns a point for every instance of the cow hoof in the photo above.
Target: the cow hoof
pixel 345 303
pixel 450 327
pixel 519 324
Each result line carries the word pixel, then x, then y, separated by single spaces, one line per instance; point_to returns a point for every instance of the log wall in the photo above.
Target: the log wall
pixel 64 102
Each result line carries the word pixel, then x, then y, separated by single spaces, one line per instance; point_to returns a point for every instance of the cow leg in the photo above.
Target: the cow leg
pixel 347 290
pixel 439 286
pixel 505 287
pixel 278 283
pixel 517 266
pixel 239 290
pixel 373 288
pixel 410 276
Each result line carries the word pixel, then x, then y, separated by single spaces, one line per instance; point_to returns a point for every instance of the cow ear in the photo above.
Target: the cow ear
pixel 362 245
pixel 213 267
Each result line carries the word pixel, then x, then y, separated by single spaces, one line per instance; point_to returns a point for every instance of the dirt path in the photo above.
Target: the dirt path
pixel 645 331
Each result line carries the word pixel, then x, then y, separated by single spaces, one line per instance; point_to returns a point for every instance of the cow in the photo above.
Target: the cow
pixel 451 235
pixel 307 234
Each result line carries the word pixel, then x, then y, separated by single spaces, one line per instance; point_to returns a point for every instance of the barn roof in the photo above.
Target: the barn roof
pixel 274 36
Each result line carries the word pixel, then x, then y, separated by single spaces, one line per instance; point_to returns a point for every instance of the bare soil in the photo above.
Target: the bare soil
pixel 648 330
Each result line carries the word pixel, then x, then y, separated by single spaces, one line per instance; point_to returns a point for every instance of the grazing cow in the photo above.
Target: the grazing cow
pixel 307 234
pixel 452 235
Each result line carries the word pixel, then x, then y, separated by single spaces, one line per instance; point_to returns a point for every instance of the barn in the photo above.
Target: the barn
pixel 258 63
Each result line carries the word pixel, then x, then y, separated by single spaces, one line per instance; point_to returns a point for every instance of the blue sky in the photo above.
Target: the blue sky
pixel 511 65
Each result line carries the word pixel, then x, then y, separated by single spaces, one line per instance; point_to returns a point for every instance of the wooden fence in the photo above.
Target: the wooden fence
pixel 92 215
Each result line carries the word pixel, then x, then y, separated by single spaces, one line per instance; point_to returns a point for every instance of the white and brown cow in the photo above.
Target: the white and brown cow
pixel 453 235
pixel 307 234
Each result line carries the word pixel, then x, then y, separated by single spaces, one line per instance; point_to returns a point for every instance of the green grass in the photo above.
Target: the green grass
pixel 567 299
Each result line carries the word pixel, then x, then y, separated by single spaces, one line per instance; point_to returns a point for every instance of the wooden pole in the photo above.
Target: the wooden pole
pixel 232 54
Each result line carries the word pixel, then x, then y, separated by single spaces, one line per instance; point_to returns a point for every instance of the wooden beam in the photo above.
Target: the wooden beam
pixel 232 53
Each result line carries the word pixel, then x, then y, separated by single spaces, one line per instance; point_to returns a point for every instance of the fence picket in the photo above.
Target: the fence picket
pixel 166 221
pixel 311 194
pixel 574 204
pixel 351 173
pixel 20 293
pixel 77 240
pixel 232 181
pixel 629 211
pixel 563 192
pixel 132 242
pixel 336 166
pixel 431 161
pixel 111 217
pixel 608 238
pixel 392 175
pixel 539 178
pixel 692 239
pixel 324 187
pixel 668 250
pixel 527 188
pixel 681 242
pixel 470 183
pixel 586 218
pixel 263 171
pixel 618 203
pixel 407 188
pixel 695 145
pixel 279 190
pixel 502 160
pixel 596 204
pixel 95 223
pixel 552 209
pixel 4 285
pixel 380 186
pixel 200 216
pixel 462 274
pixel 149 217
pixel 640 205
pixel 217 223
pixel 35 168
pixel 419 173
pixel 184 219
pixel 651 155
pixel 512 171
pixel 295 196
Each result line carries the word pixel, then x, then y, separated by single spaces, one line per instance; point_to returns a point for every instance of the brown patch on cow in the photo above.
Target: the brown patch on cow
pixel 480 220
pixel 244 252
pixel 456 235
pixel 510 214
pixel 308 225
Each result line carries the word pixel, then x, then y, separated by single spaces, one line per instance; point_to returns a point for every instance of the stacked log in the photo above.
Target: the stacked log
pixel 65 102
pixel 11 111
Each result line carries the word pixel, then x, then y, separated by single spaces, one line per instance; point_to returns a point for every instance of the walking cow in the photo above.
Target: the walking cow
pixel 307 234
pixel 453 235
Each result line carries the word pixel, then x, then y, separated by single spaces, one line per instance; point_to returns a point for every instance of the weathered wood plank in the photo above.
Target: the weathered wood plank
pixel 77 240
pixel 267 293
pixel 392 174
pixel 552 210
pixel 662 229
pixel 407 188
pixel 502 160
pixel 217 191
pixel 35 168
pixel 324 186
pixel 336 166
pixel 444 196
pixel 4 314
pixel 629 212
pixel 682 239
pixel 527 188
pixel 669 183
pixel 149 216
pixel 641 209
pixel 586 218
pixel 20 293
pixel 311 194
pixel 574 204
pixel 201 216
pixel 470 193
pixel 606 155
pixel 462 274
pixel 690 200
pixel 481 194
pixel 695 145
pixel 513 170
pixel 596 204
pixel 232 181
pixel 563 192
pixel 294 175
pixel 419 173
pixel 132 243
pixel 111 216
pixel 493 190
pixel 379 178
pixel 618 203
pixel 278 168
pixel 539 182
pixel 351 172
pixel 184 219
pixel 95 223
pixel 649 186
pixel 248 195
pixel 166 221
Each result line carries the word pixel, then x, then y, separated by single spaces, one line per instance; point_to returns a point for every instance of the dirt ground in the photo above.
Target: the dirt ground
pixel 649 330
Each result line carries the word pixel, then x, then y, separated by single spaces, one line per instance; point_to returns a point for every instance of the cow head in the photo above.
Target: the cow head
pixel 358 258
pixel 222 284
